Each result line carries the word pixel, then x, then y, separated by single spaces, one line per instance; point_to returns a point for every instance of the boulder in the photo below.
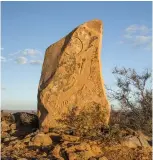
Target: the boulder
pixel 71 76
pixel 26 119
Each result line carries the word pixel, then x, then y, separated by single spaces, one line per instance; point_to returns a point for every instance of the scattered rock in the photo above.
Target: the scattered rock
pixel 44 129
pixel 5 135
pixel 92 158
pixel 53 134
pixel 131 142
pixel 7 117
pixel 143 140
pixel 44 154
pixel 41 139
pixel 19 146
pixel 134 142
pixel 69 132
pixel 14 142
pixel 56 138
pixel 96 149
pixel 31 134
pixel 13 138
pixel 103 158
pixel 12 132
pixel 83 151
pixel 70 138
pixel 72 156
pixel 79 147
pixel 13 126
pixel 85 155
pixel 26 140
pixel 56 152
pixel 5 126
pixel 6 139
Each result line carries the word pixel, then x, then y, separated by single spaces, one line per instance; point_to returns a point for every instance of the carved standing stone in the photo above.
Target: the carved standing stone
pixel 71 75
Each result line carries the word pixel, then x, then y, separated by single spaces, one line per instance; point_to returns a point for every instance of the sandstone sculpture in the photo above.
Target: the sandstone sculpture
pixel 71 75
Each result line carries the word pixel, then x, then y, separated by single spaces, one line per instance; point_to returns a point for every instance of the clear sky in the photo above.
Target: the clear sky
pixel 28 28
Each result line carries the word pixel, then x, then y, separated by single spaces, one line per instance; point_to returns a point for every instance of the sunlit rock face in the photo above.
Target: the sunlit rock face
pixel 71 75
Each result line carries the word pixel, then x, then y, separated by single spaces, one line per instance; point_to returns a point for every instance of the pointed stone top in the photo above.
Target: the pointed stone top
pixel 94 24
pixel 98 21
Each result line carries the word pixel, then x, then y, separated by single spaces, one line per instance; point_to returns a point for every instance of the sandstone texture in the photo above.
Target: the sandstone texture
pixel 71 75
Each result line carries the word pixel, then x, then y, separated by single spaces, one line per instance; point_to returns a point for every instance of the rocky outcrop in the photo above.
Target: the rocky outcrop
pixel 71 75
pixel 61 146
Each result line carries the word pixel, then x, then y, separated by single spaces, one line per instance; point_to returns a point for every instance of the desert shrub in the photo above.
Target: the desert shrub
pixel 88 123
pixel 134 98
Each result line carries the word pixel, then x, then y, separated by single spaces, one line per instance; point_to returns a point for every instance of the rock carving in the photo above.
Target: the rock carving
pixel 71 75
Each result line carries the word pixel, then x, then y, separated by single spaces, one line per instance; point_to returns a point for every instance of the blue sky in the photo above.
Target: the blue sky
pixel 28 28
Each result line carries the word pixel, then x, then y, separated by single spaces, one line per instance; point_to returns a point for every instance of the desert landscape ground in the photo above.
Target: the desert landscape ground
pixel 21 139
